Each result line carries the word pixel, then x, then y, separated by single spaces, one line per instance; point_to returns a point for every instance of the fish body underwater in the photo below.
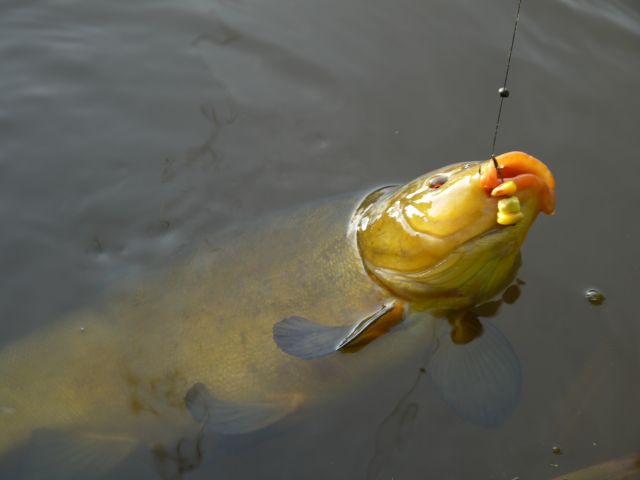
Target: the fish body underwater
pixel 201 344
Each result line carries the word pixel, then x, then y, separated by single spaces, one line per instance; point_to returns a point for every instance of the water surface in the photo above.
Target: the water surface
pixel 130 130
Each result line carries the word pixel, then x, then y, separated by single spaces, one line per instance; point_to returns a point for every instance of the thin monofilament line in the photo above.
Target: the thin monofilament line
pixel 506 77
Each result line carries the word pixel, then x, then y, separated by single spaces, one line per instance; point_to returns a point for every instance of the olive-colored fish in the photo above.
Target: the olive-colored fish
pixel 253 325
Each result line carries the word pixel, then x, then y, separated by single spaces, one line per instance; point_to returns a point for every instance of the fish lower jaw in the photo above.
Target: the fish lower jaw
pixel 474 272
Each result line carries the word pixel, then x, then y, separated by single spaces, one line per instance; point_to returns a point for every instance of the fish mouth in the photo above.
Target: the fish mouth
pixel 526 171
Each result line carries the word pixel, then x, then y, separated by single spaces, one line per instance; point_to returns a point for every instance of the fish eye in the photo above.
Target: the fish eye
pixel 438 181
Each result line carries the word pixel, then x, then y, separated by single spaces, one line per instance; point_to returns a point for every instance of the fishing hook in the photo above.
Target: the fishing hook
pixel 497 167
pixel 504 91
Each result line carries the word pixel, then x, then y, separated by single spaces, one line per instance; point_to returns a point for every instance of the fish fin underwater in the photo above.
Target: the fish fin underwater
pixel 54 455
pixel 233 419
pixel 480 380
pixel 363 283
pixel 308 340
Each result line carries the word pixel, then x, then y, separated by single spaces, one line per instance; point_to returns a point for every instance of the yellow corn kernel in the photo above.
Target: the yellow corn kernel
pixel 505 189
pixel 509 205
pixel 509 218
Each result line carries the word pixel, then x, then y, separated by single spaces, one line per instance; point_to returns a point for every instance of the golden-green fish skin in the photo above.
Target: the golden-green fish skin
pixel 125 368
pixel 439 241
pixel 122 370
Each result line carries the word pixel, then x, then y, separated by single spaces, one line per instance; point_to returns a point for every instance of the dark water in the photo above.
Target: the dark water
pixel 129 129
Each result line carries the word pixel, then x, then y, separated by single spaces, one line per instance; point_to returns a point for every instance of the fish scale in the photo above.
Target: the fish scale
pixel 196 342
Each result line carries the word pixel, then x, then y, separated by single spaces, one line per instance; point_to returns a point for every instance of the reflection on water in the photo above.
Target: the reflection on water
pixel 203 152
pixel 129 131
pixel 391 437
pixel 184 458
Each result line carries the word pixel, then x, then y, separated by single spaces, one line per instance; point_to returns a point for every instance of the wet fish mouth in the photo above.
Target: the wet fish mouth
pixel 526 172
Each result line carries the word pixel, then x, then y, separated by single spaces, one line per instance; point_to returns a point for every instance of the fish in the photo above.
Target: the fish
pixel 282 313
pixel 624 468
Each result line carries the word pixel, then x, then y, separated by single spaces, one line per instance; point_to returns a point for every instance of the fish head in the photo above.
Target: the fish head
pixel 452 237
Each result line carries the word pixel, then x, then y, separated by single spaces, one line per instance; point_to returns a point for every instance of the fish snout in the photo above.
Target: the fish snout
pixel 519 171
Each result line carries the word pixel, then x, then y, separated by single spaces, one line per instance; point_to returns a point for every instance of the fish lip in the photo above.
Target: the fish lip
pixel 526 171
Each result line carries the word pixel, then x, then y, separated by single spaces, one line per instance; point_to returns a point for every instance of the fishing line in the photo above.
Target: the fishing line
pixel 504 92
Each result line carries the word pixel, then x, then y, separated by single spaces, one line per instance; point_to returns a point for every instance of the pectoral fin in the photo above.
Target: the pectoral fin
pixel 480 379
pixel 230 418
pixel 309 340
pixel 75 456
